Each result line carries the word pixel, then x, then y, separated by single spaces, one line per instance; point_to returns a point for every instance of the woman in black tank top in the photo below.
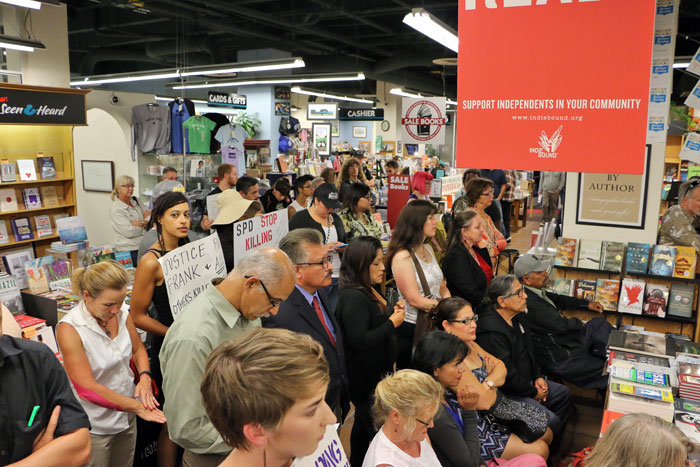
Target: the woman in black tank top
pixel 171 218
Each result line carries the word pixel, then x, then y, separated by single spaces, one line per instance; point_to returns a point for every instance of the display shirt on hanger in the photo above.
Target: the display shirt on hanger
pixel 150 128
pixel 235 157
pixel 199 133
pixel 180 111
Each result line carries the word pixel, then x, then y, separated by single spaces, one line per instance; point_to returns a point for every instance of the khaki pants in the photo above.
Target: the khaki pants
pixel 190 459
pixel 115 450
pixel 550 202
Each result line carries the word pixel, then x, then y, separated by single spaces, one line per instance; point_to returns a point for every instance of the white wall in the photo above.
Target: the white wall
pixel 653 200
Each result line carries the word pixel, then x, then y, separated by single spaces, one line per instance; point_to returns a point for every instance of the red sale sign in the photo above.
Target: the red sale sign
pixel 554 84
pixel 399 191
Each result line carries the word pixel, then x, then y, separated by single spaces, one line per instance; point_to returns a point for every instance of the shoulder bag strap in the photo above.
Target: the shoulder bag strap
pixel 421 275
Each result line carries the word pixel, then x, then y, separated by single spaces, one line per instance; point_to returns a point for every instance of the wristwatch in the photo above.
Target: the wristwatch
pixel 489 383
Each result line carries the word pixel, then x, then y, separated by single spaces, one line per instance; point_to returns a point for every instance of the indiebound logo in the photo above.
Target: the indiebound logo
pixel 548 145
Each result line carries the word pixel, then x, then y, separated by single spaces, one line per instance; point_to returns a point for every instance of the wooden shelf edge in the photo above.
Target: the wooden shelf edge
pixel 37 182
pixel 25 242
pixel 25 211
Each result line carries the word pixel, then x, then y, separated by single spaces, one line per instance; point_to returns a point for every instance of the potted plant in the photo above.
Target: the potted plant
pixel 250 123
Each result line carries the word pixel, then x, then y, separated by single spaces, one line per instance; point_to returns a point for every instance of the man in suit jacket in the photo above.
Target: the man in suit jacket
pixel 305 310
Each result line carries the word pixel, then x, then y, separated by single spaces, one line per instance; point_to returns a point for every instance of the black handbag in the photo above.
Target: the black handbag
pixel 508 415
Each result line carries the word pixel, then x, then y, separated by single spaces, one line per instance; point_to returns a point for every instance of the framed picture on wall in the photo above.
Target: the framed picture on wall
pixel 98 176
pixel 364 146
pixel 359 132
pixel 322 111
pixel 321 138
pixel 335 129
pixel 613 200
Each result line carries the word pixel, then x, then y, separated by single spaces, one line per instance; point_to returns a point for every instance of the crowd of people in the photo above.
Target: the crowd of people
pixel 449 370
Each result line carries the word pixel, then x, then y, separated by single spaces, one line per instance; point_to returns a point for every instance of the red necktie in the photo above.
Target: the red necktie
pixel 319 312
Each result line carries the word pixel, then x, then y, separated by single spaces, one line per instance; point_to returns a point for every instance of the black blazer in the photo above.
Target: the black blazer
pixel 464 276
pixel 296 314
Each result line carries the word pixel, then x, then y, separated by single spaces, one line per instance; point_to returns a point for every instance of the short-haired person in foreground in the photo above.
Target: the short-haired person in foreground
pixel 264 393
pixel 640 440
pixel 405 404
pixel 455 437
pixel 563 346
pixel 257 285
pixel 677 222
pixel 42 422
pixel 248 187
pixel 502 332
pixel 307 311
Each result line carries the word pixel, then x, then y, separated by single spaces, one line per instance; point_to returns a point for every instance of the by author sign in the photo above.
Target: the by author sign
pixel 41 106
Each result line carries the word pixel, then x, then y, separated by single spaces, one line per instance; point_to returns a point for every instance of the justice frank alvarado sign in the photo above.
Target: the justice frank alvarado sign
pixel 36 105
pixel 423 120
pixel 555 95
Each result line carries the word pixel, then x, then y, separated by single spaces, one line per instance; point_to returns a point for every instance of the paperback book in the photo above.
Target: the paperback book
pixel 663 258
pixel 589 254
pixel 689 424
pixel 613 253
pixel 639 358
pixel 22 228
pixel 26 170
pixel 638 342
pixel 48 193
pixel 124 258
pixel 631 296
pixel 566 252
pixel 4 237
pixel 71 229
pixel 47 169
pixel 659 394
pixel 655 300
pixel 58 274
pixel 680 300
pixel 607 292
pixel 36 277
pixel 9 174
pixel 637 257
pixel 685 262
pixel 14 264
pixel 10 296
pixel 43 226
pixel 8 200
pixel 585 289
pixel 31 198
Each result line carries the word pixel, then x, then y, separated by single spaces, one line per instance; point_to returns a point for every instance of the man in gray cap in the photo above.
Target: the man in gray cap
pixel 563 346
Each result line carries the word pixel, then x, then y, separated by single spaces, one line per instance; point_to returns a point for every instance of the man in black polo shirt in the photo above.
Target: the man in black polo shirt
pixel 40 419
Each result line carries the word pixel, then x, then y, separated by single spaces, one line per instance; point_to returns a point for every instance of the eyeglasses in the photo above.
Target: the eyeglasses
pixel 428 423
pixel 326 260
pixel 467 321
pixel 520 292
pixel 490 193
pixel 274 302
pixel 368 196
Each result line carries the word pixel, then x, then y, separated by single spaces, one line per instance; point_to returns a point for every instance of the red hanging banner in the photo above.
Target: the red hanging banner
pixel 399 191
pixel 554 84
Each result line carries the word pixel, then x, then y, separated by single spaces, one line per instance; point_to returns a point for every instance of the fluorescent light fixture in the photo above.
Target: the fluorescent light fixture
pixel 125 77
pixel 308 92
pixel 246 67
pixel 402 93
pixel 427 24
pixel 34 5
pixel 451 102
pixel 17 43
pixel 168 99
pixel 681 65
pixel 310 78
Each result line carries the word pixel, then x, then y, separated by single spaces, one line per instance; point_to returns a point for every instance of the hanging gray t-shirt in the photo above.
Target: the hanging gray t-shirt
pixel 231 135
pixel 150 128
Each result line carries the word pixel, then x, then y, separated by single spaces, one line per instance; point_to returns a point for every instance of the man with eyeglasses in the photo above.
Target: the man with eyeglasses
pixel 677 223
pixel 256 287
pixel 563 346
pixel 307 311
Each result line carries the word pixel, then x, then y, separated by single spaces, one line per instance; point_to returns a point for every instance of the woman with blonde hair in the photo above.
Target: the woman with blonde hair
pixel 405 404
pixel 127 217
pixel 98 339
pixel 351 172
pixel 640 440
pixel 264 393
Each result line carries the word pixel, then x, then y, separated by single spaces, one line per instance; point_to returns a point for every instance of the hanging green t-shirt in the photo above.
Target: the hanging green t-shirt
pixel 199 133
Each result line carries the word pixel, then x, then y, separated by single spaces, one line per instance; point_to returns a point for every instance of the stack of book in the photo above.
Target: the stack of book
pixel 689 376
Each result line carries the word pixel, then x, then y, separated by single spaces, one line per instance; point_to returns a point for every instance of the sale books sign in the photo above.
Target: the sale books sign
pixel 423 120
pixel 261 231
pixel 399 191
pixel 554 84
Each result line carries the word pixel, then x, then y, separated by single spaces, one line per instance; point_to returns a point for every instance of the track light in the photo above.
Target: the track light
pixel 427 24
pixel 309 78
pixel 308 92
pixel 17 43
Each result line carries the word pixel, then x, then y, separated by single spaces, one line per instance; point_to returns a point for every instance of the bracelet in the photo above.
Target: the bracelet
pixel 146 372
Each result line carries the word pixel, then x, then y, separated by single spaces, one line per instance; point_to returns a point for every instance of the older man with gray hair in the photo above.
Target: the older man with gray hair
pixel 256 287
pixel 307 311
pixel 677 223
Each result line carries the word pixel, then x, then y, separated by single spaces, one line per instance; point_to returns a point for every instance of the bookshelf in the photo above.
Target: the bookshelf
pixel 680 325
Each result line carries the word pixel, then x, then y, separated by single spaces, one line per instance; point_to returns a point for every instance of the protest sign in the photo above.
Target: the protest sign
pixel 328 454
pixel 262 231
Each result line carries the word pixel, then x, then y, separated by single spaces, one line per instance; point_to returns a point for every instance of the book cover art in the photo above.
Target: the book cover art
pixel 22 228
pixel 684 267
pixel 36 277
pixel 58 274
pixel 680 300
pixel 585 289
pixel 631 296
pixel 633 357
pixel 71 229
pixel 636 341
pixel 566 252
pixel 46 166
pixel 687 405
pixel 9 174
pixel 682 346
pixel 32 199
pixel 609 416
pixel 105 257
pixel 43 226
pixel 658 394
pixel 10 296
pixel 589 254
pixel 637 257
pixel 124 258
pixel 689 424
pixel 8 200
pixel 4 236
pixel 14 264
pixel 655 300
pixel 662 259
pixel 607 292
pixel 26 170
pixel 611 258
pixel 48 193
pixel 652 378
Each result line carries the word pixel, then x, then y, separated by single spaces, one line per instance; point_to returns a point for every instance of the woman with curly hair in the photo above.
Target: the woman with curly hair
pixel 351 172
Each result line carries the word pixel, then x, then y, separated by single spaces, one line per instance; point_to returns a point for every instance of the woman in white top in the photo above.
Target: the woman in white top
pixel 304 194
pixel 416 222
pixel 127 216
pixel 405 404
pixel 97 339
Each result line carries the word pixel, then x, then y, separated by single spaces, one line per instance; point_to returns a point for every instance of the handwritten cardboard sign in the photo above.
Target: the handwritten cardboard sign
pixel 262 231
pixel 189 269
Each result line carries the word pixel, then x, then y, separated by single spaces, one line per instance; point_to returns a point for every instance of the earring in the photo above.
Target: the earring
pixel 396 429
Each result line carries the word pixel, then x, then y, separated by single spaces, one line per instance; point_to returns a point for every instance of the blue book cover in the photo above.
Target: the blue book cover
pixel 22 229
pixel 71 229
pixel 662 260
pixel 637 257
pixel 124 258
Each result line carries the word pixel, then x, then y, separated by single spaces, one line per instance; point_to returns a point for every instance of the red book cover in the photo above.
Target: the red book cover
pixel 609 416
pixel 26 321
